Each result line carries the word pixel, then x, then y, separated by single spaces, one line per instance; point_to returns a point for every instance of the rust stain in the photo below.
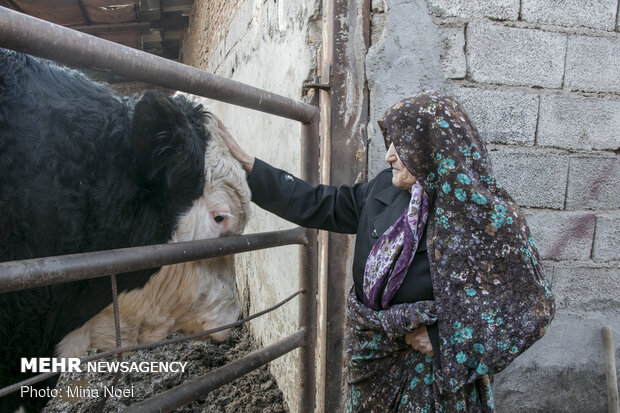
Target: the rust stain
pixel 580 226
pixel 605 177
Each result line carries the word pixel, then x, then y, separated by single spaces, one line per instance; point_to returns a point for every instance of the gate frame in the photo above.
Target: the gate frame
pixel 44 39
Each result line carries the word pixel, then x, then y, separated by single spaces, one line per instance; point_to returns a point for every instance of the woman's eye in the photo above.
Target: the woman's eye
pixel 218 218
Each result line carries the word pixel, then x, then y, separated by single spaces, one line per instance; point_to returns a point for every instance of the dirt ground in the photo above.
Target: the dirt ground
pixel 255 392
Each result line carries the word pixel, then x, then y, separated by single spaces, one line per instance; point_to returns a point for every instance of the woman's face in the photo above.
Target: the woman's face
pixel 401 177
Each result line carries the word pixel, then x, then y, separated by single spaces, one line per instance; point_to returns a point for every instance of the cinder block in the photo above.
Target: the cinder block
pixel 593 64
pixel 579 289
pixel 597 14
pixel 607 237
pixel 501 116
pixel 453 57
pixel 579 122
pixel 515 56
pixel 532 178
pixel 499 9
pixel 594 182
pixel 563 371
pixel 562 235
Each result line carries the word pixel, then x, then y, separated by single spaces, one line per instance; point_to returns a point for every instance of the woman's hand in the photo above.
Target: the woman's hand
pixel 420 341
pixel 246 161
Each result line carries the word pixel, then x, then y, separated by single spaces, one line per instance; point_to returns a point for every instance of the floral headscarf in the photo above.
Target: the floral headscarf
pixel 491 298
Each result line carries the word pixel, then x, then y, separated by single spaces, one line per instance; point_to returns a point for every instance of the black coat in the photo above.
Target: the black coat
pixel 367 209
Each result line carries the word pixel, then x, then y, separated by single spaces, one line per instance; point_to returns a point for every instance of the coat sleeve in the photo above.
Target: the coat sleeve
pixel 324 207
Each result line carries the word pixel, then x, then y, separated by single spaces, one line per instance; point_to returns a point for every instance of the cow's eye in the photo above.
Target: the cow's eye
pixel 218 218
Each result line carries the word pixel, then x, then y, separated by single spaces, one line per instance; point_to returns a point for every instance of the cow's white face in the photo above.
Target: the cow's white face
pixel 219 212
pixel 224 207
pixel 222 210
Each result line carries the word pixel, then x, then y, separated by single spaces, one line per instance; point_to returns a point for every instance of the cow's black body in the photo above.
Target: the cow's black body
pixel 82 169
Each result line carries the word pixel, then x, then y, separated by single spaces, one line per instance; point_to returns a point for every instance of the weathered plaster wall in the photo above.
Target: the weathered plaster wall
pixel 271 45
pixel 403 59
pixel 541 81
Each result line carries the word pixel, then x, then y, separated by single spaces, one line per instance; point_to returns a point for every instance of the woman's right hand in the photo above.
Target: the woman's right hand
pixel 420 341
pixel 246 161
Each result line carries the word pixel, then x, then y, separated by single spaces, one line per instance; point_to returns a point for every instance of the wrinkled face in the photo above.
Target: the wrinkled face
pixel 401 177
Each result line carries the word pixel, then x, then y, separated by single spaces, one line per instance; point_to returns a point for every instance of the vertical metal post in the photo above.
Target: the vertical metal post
pixel 610 370
pixel 308 270
pixel 346 38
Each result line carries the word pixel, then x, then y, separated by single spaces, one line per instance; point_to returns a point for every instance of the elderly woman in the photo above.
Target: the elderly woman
pixel 448 284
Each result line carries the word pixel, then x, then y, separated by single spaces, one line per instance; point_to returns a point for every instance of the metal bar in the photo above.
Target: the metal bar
pixel 117 336
pixel 308 276
pixel 16 275
pixel 40 377
pixel 38 37
pixel 199 388
pixel 84 11
pixel 346 115
pixel 610 370
pixel 117 316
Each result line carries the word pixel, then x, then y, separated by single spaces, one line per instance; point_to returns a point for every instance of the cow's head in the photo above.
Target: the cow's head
pixel 224 206
pixel 223 209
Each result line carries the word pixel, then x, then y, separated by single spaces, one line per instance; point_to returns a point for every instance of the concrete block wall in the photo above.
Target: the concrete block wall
pixel 540 78
pixel 270 45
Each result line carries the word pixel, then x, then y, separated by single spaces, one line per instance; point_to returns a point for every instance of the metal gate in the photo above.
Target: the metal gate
pixel 40 38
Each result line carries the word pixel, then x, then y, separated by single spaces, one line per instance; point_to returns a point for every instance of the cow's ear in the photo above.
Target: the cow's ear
pixel 160 132
pixel 169 152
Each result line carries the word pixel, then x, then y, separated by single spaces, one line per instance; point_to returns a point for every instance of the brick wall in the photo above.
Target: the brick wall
pixel 131 88
pixel 210 22
pixel 541 80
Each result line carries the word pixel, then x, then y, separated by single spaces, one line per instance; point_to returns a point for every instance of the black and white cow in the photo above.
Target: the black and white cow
pixel 83 169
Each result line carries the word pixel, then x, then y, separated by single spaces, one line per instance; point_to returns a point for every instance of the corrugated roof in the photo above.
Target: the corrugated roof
pixel 149 25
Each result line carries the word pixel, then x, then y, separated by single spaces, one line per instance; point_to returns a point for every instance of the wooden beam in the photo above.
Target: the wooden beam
pixel 114 27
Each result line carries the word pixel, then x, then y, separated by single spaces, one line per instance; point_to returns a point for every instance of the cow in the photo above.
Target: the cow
pixel 83 169
pixel 190 297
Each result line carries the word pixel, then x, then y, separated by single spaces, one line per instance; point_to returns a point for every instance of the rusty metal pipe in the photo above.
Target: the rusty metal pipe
pixel 38 37
pixel 199 388
pixel 308 274
pixel 17 275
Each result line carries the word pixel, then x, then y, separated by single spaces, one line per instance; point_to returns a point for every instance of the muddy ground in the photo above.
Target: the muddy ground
pixel 255 392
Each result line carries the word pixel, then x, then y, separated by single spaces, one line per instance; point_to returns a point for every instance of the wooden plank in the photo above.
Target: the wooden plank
pixel 63 12
pixel 10 4
pixel 183 6
pixel 610 370
pixel 109 11
pixel 131 38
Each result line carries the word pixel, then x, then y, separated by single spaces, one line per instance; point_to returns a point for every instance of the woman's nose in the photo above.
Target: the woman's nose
pixel 390 156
